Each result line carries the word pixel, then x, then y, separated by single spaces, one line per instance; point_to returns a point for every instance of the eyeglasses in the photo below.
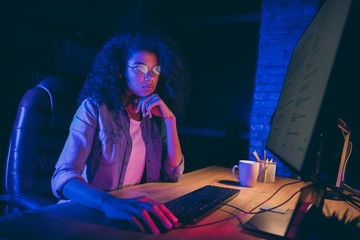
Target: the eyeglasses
pixel 143 70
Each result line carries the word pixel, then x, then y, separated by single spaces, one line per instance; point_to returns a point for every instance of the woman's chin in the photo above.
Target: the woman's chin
pixel 146 94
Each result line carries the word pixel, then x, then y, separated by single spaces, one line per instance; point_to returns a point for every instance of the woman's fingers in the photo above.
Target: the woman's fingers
pixel 146 104
pixel 141 104
pixel 131 214
pixel 164 220
pixel 162 208
pixel 142 212
pixel 151 104
pixel 140 216
pixel 157 209
pixel 149 222
pixel 137 223
pixel 168 213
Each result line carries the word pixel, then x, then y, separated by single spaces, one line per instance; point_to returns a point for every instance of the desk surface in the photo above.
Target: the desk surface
pixel 71 220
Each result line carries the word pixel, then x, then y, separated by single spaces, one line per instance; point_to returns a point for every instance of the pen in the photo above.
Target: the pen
pixel 264 155
pixel 266 168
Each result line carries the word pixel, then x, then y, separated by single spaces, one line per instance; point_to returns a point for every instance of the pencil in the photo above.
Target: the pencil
pixel 266 168
pixel 256 156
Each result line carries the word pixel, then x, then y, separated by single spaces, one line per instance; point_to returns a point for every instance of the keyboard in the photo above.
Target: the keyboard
pixel 194 206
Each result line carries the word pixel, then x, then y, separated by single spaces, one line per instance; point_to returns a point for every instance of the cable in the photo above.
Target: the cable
pixel 350 200
pixel 342 126
pixel 266 210
pixel 225 204
pixel 354 191
pixel 354 199
pixel 348 154
pixel 352 195
pixel 354 205
pixel 249 212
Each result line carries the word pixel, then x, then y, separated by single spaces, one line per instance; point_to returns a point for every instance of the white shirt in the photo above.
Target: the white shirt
pixel 136 165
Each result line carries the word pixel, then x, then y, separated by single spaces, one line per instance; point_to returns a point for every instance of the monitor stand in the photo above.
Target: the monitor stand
pixel 340 181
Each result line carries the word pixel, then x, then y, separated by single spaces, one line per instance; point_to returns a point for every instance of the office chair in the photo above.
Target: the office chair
pixel 40 130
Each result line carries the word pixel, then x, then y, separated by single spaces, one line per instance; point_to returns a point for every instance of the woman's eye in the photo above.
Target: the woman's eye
pixel 157 70
pixel 142 68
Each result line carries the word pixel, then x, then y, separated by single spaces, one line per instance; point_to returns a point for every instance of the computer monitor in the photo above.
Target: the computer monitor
pixel 317 98
pixel 317 95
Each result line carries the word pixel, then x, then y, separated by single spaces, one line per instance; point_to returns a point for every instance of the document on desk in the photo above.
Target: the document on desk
pixel 267 206
pixel 275 223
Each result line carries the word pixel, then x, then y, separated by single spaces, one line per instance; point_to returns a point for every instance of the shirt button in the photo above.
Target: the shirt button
pixel 148 160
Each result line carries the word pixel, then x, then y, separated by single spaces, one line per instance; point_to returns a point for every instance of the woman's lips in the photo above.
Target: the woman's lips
pixel 148 88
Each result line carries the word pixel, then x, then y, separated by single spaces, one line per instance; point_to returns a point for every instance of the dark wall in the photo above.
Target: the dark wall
pixel 218 41
pixel 29 30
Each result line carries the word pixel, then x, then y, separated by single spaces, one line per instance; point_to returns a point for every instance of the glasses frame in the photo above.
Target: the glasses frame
pixel 145 74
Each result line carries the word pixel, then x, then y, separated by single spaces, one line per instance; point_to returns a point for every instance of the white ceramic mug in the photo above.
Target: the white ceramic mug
pixel 248 172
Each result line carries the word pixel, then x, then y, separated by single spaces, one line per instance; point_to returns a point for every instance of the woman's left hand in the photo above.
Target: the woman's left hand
pixel 153 105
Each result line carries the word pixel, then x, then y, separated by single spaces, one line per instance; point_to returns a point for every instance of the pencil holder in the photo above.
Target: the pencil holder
pixel 267 172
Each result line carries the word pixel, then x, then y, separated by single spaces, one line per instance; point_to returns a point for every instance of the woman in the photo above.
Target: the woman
pixel 123 133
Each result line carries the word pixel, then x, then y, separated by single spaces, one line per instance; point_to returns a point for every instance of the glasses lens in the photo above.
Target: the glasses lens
pixel 157 70
pixel 142 68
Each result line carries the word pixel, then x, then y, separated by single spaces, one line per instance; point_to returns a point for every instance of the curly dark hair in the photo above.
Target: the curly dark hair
pixel 105 85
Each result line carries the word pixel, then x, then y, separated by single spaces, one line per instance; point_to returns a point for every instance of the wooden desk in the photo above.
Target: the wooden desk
pixel 71 220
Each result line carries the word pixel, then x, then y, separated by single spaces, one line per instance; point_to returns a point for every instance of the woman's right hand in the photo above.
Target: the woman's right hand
pixel 141 212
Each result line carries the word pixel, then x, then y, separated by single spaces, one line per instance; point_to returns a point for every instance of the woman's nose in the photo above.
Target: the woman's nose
pixel 149 76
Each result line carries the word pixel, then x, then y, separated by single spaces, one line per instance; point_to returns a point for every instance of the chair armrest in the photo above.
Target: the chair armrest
pixel 4 201
pixel 23 202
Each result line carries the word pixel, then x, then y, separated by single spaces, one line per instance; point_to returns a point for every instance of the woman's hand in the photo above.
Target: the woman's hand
pixel 153 105
pixel 141 212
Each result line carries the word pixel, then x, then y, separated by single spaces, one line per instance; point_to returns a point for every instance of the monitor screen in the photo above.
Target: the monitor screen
pixel 294 133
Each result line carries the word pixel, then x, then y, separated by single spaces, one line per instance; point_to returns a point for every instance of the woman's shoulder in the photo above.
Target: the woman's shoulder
pixel 89 103
pixel 92 103
pixel 95 107
pixel 89 106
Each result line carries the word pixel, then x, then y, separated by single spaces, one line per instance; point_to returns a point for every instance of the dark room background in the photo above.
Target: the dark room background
pixel 237 52
pixel 219 42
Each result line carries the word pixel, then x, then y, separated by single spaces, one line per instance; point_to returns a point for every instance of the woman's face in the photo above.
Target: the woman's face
pixel 142 73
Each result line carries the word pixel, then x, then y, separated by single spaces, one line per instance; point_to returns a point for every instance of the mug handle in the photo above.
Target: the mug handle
pixel 233 171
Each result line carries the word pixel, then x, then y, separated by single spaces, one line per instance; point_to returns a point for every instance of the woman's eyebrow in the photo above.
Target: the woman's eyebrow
pixel 145 64
pixel 139 63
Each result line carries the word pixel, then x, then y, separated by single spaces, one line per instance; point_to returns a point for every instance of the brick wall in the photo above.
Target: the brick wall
pixel 282 23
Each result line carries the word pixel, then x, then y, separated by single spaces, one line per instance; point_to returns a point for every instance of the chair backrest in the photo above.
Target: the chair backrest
pixel 40 130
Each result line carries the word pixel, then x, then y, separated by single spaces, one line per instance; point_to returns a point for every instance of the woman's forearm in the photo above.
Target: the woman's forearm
pixel 174 154
pixel 134 210
pixel 81 192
